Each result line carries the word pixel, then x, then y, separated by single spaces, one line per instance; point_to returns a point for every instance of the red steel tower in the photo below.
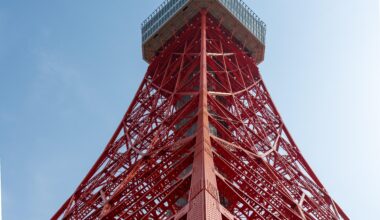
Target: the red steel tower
pixel 202 138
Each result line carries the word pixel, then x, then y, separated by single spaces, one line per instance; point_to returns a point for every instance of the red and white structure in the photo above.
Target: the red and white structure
pixel 202 139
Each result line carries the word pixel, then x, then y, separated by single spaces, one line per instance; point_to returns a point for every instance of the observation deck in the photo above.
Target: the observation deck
pixel 245 26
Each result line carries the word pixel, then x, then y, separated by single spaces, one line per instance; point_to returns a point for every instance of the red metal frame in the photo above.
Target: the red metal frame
pixel 202 139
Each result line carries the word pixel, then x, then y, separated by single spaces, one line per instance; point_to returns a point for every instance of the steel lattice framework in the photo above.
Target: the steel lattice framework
pixel 202 139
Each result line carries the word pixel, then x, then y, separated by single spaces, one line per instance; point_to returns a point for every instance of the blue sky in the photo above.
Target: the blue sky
pixel 69 69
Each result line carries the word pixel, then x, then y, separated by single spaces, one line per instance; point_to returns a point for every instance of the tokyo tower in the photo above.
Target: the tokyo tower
pixel 202 138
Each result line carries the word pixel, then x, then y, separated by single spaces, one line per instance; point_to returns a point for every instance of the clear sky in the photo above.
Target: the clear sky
pixel 69 69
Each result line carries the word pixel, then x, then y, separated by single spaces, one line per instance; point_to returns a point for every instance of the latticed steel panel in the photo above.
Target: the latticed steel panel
pixel 202 139
pixel 172 15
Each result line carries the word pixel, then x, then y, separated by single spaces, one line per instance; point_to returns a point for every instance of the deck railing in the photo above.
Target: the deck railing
pixel 247 17
pixel 160 16
pixel 170 7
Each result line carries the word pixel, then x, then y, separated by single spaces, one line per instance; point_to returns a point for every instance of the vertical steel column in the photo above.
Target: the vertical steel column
pixel 204 198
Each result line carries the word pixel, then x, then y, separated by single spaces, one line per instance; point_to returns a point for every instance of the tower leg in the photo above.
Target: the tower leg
pixel 204 198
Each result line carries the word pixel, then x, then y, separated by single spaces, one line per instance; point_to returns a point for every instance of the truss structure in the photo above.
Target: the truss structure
pixel 202 139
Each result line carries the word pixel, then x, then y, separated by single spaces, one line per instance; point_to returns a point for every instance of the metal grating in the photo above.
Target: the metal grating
pixel 247 17
pixel 169 8
pixel 160 16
